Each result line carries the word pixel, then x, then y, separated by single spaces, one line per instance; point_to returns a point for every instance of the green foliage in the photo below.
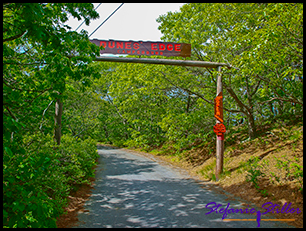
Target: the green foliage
pixel 267 78
pixel 208 171
pixel 253 171
pixel 37 68
pixel 25 202
pixel 82 109
pixel 77 158
pixel 148 105
pixel 145 109
pixel 37 179
pixel 213 177
pixel 137 105
pixel 36 62
pixel 291 171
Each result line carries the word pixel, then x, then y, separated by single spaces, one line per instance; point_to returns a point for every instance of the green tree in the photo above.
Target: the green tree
pixel 263 42
pixel 40 56
pixel 37 50
pixel 150 104
pixel 82 110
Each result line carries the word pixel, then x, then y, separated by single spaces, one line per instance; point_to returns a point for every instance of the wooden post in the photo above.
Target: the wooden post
pixel 220 139
pixel 58 121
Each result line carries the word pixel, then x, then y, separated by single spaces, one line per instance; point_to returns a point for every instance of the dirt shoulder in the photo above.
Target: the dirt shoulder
pixel 76 201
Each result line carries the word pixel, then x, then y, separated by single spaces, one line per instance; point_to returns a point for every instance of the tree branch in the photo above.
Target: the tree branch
pixel 297 39
pixel 124 120
pixel 12 115
pixel 14 37
pixel 199 95
pixel 290 98
pixel 232 93
pixel 42 119
pixel 282 99
pixel 256 88
pixel 15 88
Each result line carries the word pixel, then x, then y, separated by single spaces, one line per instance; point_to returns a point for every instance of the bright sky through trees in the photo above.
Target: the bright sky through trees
pixel 133 21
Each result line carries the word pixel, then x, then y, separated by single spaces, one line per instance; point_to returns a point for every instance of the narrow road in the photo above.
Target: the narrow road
pixel 135 191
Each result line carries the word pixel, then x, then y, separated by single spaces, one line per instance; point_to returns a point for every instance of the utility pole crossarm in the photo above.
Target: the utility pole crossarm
pixel 162 61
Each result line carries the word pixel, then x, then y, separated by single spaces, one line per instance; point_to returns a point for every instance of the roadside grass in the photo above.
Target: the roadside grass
pixel 267 168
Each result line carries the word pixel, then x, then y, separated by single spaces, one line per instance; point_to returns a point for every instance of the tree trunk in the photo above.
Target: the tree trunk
pixel 251 126
pixel 245 110
pixel 58 121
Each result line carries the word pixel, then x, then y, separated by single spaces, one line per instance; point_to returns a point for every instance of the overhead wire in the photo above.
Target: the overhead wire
pixel 84 20
pixel 105 20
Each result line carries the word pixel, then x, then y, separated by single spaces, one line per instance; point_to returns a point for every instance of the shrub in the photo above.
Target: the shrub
pixel 253 171
pixel 291 169
pixel 77 158
pixel 38 176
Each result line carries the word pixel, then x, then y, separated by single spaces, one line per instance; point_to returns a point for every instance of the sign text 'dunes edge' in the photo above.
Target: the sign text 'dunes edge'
pixel 144 48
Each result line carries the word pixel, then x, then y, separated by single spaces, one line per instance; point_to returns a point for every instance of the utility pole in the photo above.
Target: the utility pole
pixel 219 123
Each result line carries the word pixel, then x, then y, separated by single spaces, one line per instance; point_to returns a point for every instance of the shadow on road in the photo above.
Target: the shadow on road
pixel 132 191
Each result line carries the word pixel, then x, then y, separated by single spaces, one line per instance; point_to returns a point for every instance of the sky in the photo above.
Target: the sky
pixel 133 21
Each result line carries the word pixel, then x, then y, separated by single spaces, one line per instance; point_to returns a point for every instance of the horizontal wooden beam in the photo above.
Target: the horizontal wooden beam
pixel 190 63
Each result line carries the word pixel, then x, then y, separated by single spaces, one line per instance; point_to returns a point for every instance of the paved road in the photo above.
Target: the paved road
pixel 136 191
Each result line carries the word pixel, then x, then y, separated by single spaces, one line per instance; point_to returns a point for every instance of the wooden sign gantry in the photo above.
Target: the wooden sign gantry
pixel 219 128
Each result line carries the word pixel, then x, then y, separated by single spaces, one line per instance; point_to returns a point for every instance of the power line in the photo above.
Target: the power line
pixel 105 21
pixel 84 20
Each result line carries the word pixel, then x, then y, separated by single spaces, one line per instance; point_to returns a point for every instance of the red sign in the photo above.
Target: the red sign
pixel 219 129
pixel 143 48
pixel 219 107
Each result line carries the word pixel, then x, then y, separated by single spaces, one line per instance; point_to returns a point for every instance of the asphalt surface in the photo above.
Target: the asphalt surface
pixel 136 191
